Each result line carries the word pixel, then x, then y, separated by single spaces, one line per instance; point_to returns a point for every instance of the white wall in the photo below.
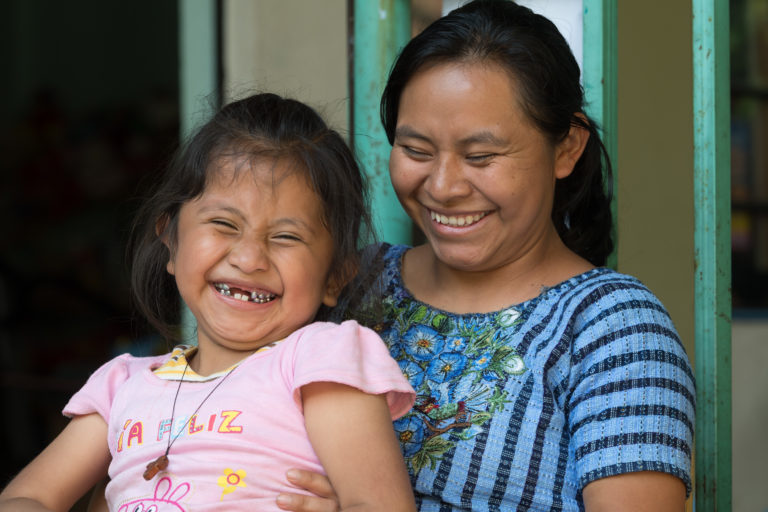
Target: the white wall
pixel 295 48
pixel 750 415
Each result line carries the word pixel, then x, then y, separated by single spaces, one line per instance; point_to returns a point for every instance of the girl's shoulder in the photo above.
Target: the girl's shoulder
pixel 127 365
pixel 102 386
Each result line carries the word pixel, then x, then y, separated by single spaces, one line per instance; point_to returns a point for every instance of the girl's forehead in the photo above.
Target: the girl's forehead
pixel 264 170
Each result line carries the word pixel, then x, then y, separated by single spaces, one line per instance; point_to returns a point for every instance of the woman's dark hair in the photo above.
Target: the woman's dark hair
pixel 537 57
pixel 262 126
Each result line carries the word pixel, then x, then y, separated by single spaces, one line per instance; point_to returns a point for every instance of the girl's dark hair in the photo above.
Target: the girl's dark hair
pixel 262 126
pixel 537 57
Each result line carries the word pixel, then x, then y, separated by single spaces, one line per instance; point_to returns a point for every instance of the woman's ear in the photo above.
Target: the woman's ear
pixel 569 150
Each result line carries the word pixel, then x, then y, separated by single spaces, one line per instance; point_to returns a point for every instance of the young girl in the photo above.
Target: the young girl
pixel 256 226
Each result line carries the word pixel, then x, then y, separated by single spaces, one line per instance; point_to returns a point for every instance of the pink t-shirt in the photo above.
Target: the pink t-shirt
pixel 233 454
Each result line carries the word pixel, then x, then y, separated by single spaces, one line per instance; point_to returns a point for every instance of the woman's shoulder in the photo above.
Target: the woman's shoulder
pixel 600 285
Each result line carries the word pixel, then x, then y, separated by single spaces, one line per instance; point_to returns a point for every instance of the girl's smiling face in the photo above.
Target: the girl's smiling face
pixel 252 258
pixel 471 169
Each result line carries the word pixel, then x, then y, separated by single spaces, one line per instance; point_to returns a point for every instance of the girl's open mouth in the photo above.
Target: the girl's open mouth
pixel 244 295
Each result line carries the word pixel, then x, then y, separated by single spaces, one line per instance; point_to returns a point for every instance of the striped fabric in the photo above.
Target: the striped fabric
pixel 521 408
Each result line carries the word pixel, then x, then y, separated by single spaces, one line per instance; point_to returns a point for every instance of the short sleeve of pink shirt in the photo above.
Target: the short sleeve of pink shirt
pixel 97 394
pixel 353 355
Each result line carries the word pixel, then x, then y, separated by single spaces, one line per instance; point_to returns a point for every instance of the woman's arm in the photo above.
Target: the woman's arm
pixel 644 491
pixel 64 471
pixel 352 434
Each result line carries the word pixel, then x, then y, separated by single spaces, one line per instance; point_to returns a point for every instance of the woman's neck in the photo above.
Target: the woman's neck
pixel 483 291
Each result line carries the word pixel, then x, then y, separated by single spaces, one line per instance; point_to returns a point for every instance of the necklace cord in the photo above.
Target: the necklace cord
pixel 171 438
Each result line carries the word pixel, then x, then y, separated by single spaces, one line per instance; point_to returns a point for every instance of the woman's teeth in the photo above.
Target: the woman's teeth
pixel 244 295
pixel 457 220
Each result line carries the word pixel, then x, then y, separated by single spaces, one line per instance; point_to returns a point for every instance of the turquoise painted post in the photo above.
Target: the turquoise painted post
pixel 600 65
pixel 198 62
pixel 712 240
pixel 198 86
pixel 381 29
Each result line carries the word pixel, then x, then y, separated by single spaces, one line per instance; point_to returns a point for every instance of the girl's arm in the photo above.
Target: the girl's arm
pixel 352 434
pixel 643 491
pixel 64 471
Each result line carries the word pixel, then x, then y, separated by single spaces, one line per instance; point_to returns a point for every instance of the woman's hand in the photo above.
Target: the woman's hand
pixel 325 499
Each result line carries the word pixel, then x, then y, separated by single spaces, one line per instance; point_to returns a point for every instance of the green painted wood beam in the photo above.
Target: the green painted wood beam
pixel 381 29
pixel 599 74
pixel 712 239
pixel 198 86
pixel 198 62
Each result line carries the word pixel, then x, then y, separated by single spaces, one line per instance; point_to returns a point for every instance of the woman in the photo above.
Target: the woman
pixel 544 381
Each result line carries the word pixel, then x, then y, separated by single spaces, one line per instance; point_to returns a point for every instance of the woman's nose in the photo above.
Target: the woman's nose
pixel 249 256
pixel 447 181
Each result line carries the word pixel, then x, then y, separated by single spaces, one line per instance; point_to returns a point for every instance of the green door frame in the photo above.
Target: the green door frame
pixel 198 85
pixel 712 240
pixel 381 29
pixel 599 75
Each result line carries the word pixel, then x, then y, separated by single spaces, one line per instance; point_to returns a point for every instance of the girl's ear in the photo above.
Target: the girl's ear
pixel 336 283
pixel 569 150
pixel 161 230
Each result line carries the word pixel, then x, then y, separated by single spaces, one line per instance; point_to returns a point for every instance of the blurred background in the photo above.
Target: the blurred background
pixel 89 110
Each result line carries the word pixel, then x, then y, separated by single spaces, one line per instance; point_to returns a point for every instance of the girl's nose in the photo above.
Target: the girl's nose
pixel 447 181
pixel 249 256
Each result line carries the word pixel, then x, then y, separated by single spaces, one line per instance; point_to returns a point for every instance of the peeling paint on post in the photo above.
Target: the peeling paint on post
pixel 198 88
pixel 600 43
pixel 381 29
pixel 712 254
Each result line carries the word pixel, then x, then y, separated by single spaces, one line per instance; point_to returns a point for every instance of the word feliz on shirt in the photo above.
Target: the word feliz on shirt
pixel 133 432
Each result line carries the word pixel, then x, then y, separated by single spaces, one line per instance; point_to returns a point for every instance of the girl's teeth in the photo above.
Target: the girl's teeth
pixel 259 298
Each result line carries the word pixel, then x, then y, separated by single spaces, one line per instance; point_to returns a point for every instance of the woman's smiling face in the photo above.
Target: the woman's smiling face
pixel 471 169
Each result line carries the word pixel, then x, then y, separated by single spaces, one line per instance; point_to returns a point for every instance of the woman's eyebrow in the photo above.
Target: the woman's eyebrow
pixel 409 133
pixel 483 137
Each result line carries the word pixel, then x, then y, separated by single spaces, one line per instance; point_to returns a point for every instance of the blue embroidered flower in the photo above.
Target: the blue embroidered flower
pixel 413 372
pixel 410 432
pixel 422 342
pixel 455 343
pixel 482 361
pixel 446 366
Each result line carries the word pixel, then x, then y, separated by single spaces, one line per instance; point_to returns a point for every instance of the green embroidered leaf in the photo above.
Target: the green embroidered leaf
pixel 418 315
pixel 437 445
pixel 441 323
pixel 419 460
pixel 497 401
pixel 480 417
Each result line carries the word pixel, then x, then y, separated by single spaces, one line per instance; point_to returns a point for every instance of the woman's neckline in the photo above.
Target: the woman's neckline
pixel 520 306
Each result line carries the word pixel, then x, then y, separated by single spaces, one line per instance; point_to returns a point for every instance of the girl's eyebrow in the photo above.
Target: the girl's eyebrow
pixel 219 207
pixel 293 221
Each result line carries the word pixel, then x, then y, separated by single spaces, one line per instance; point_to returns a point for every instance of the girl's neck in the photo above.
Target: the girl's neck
pixel 206 362
pixel 460 291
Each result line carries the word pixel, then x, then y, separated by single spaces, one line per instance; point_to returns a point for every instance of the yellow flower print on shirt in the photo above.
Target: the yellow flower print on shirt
pixel 230 481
